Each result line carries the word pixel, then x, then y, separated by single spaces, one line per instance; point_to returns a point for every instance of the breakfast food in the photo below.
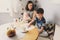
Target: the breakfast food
pixel 11 33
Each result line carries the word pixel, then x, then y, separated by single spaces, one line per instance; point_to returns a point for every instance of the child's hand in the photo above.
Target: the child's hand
pixel 28 25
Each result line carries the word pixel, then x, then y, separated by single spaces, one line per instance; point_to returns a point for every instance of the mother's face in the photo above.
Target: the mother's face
pixel 30 5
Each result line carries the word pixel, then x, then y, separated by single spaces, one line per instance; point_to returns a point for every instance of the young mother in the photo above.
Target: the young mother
pixel 28 14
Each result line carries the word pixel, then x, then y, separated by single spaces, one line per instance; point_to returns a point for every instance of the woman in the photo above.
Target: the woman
pixel 28 14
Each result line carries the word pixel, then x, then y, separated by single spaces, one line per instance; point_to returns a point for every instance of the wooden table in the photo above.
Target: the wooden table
pixel 30 35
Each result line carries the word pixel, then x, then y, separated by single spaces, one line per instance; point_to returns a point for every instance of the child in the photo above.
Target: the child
pixel 39 19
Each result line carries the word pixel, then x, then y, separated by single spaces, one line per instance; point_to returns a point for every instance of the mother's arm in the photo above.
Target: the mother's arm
pixel 33 19
pixel 25 16
pixel 34 15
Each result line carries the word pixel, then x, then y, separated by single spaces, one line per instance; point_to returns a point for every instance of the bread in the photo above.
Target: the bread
pixel 11 33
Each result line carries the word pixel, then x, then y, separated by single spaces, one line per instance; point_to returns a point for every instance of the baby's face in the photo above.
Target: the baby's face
pixel 39 16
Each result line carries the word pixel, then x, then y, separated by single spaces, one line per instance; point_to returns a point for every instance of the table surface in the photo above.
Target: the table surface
pixel 32 34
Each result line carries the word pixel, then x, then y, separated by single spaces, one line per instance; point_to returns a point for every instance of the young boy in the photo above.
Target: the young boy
pixel 39 19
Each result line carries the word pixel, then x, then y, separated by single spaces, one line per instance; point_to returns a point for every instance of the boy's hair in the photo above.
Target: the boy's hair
pixel 40 11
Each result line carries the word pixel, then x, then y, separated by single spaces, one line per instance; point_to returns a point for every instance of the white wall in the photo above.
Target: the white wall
pixel 5 11
pixel 5 18
pixel 5 5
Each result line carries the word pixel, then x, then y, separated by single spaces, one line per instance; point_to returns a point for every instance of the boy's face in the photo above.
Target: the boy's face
pixel 39 16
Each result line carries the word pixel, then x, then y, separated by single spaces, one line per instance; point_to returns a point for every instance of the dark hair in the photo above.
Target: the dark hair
pixel 40 11
pixel 27 6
